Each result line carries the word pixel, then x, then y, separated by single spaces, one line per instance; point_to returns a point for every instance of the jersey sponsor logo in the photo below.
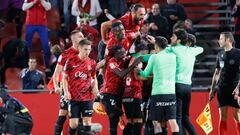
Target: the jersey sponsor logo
pixel 80 74
pixel 165 103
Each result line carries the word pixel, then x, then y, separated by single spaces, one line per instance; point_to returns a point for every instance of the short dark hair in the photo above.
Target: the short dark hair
pixel 191 39
pixel 85 42
pixel 32 58
pixel 116 23
pixel 141 46
pixel 161 42
pixel 178 25
pixel 135 7
pixel 181 35
pixel 228 35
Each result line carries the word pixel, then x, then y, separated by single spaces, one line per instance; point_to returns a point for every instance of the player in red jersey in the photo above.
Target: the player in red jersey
pixel 111 96
pixel 80 85
pixel 76 36
pixel 118 37
pixel 132 96
pixel 132 22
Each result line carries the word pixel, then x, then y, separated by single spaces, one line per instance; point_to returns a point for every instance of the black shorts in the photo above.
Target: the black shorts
pixel 63 102
pixel 162 107
pixel 80 108
pixel 225 97
pixel 133 107
pixel 112 104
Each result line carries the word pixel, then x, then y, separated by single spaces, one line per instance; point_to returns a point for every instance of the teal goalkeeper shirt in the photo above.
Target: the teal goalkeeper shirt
pixel 186 57
pixel 163 67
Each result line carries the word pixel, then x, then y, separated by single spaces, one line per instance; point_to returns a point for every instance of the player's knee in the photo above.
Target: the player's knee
pixel 174 126
pixel 86 120
pixel 63 112
pixel 73 123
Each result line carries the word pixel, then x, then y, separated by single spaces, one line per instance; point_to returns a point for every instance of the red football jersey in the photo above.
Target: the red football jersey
pixel 80 73
pixel 70 52
pixel 133 87
pixel 128 23
pixel 112 42
pixel 112 82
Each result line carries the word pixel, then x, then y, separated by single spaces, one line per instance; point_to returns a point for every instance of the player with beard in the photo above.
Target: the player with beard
pixel 185 57
pixel 76 36
pixel 132 22
pixel 112 88
pixel 80 85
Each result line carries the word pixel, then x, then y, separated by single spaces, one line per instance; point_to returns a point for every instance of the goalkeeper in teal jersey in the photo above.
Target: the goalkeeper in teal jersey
pixel 163 100
pixel 181 46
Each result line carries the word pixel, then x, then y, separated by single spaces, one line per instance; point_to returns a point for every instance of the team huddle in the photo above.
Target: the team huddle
pixel 150 78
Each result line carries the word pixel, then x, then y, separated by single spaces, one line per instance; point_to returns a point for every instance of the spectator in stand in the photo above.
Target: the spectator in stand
pixel 158 24
pixel 56 51
pixel 14 54
pixel 67 15
pixel 36 22
pixel 173 11
pixel 15 14
pixel 117 8
pixel 88 9
pixel 31 77
pixel 188 27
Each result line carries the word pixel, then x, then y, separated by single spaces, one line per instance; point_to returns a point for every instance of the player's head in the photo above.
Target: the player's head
pixel 142 48
pixel 76 36
pixel 226 39
pixel 179 37
pixel 160 43
pixel 3 96
pixel 118 30
pixel 138 12
pixel 156 9
pixel 171 1
pixel 32 63
pixel 85 47
pixel 191 41
pixel 118 52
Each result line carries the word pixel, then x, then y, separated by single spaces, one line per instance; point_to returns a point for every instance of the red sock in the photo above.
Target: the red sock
pixel 237 127
pixel 222 127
